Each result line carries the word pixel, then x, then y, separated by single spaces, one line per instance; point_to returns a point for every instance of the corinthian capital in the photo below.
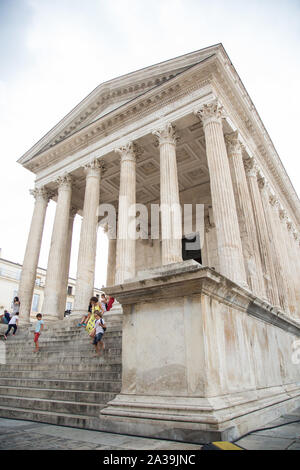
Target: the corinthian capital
pixel 273 200
pixel 233 144
pixel 129 152
pixel 64 181
pixel 41 193
pixel 263 184
pixel 94 167
pixel 289 224
pixel 211 112
pixel 166 134
pixel 251 167
pixel 283 214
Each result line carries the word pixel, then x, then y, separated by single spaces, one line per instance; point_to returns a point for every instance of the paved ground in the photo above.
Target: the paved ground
pixel 281 438
pixel 27 435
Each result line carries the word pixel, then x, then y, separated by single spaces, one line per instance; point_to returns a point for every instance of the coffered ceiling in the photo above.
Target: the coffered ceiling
pixel 191 165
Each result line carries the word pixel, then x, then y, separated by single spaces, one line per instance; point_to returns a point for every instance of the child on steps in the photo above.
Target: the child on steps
pixel 38 329
pixel 13 323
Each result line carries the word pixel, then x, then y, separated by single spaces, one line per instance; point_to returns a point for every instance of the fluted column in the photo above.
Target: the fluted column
pixel 293 261
pixel 65 277
pixel 245 215
pixel 111 262
pixel 125 257
pixel 225 215
pixel 32 252
pixel 57 253
pixel 171 223
pixel 296 256
pixel 262 233
pixel 286 259
pixel 88 238
pixel 275 245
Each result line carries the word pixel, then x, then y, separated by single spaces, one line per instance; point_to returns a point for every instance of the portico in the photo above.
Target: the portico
pixel 183 132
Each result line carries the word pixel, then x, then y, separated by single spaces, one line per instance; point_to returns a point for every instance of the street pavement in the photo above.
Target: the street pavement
pixel 28 435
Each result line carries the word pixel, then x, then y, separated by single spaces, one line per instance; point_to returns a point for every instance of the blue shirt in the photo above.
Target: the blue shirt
pixel 38 326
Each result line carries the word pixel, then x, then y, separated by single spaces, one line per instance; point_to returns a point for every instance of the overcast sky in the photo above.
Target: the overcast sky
pixel 54 52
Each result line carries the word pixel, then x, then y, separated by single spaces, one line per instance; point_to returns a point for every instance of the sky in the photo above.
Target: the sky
pixel 55 52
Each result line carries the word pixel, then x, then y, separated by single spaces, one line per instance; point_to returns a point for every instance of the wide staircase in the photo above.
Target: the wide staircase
pixel 64 383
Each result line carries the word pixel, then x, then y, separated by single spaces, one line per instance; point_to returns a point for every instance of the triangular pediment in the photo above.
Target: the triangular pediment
pixel 115 93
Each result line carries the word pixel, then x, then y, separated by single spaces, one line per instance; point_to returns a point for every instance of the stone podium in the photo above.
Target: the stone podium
pixel 203 358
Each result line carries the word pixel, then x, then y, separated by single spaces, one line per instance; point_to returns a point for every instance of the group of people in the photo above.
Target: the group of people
pixel 92 321
pixel 11 319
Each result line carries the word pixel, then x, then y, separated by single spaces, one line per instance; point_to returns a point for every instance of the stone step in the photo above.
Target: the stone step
pixel 55 333
pixel 82 356
pixel 58 335
pixel 53 357
pixel 54 345
pixel 64 383
pixel 73 375
pixel 61 339
pixel 56 394
pixel 83 385
pixel 60 419
pixel 112 366
pixel 48 330
pixel 56 368
pixel 60 406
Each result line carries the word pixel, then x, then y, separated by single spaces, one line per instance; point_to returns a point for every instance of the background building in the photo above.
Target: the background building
pixel 10 274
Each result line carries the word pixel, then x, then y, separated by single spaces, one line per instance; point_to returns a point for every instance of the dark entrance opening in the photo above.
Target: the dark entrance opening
pixel 191 247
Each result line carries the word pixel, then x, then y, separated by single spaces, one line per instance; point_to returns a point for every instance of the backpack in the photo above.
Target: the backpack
pixel 102 323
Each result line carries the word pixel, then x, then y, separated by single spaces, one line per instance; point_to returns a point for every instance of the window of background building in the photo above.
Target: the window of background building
pixel 69 306
pixel 70 289
pixel 35 303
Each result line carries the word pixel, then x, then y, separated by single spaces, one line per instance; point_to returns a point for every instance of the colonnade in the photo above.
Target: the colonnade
pixel 258 246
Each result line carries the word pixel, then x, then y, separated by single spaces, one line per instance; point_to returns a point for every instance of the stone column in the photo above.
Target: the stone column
pixel 293 260
pixel 296 256
pixel 225 215
pixel 32 252
pixel 245 215
pixel 286 259
pixel 111 261
pixel 262 233
pixel 171 219
pixel 88 239
pixel 57 254
pixel 275 245
pixel 125 257
pixel 65 278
